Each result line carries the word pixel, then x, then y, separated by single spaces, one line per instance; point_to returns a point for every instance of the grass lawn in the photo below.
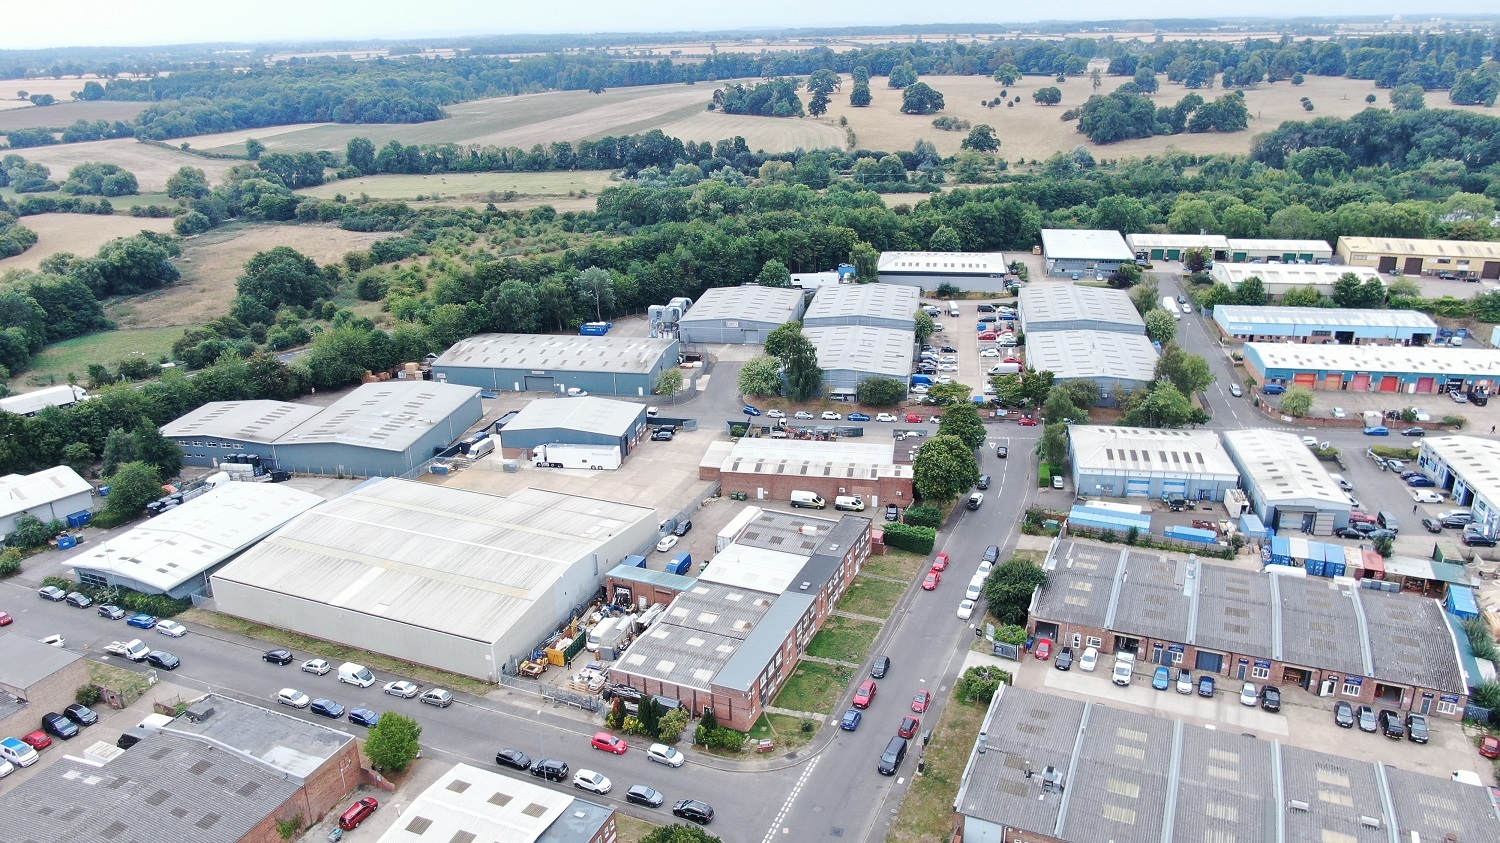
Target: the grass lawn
pixel 813 687
pixel 73 356
pixel 628 829
pixel 897 564
pixel 843 639
pixel 926 814
pixel 868 596
pixel 786 731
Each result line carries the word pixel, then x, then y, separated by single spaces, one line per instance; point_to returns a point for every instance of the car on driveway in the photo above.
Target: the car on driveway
pixel 851 720
pixel 1205 685
pixel 892 512
pixel 662 434
pixel 403 689
pixel 930 582
pixel 37 740
pixel 141 621
pixel 363 717
pixel 642 795
pixel 1089 660
pixel 592 782
pixel 609 743
pixel 293 698
pixel 172 629
pixel 1184 682
pixel 1064 659
pixel 683 528
pixel 282 657
pixel 1161 679
pixel 859 417
pixel 437 697
pixel 327 708
pixel 316 666
pixel 1343 715
pixel 1366 717
pixel 920 702
pixel 1270 698
pixel 909 726
pixel 111 611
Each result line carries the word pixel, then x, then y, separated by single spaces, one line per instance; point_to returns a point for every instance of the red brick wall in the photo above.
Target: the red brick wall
pixel 53 693
pixel 653 593
pixel 779 487
pixel 607 833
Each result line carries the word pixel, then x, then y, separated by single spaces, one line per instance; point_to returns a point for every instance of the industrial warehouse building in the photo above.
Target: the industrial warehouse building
pixel 458 580
pixel 1073 308
pixel 1469 260
pixel 1114 361
pixel 1288 487
pixel 871 305
pixel 379 429
pixel 848 354
pixel 1279 251
pixel 1279 278
pixel 1049 768
pixel 1374 368
pixel 1155 247
pixel 767 469
pixel 468 804
pixel 731 640
pixel 740 315
pixel 602 365
pixel 1130 462
pixel 1084 253
pixel 48 495
pixel 575 421
pixel 1324 325
pixel 175 552
pixel 969 271
pixel 1468 468
pixel 1364 645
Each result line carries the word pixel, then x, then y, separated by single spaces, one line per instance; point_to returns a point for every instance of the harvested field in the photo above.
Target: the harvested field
pixel 81 234
pixel 769 133
pixel 152 165
pixel 19 114
pixel 468 188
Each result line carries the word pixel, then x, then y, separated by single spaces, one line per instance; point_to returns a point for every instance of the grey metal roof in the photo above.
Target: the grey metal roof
pixel 1316 247
pixel 788 532
pixel 246 421
pixel 630 573
pixel 886 352
pixel 1059 303
pixel 748 663
pixel 942 263
pixel 167 787
pixel 1231 610
pixel 468 804
pixel 594 415
pixel 698 635
pixel 548 352
pixel 1457 362
pixel 286 744
pixel 1337 793
pixel 824 564
pixel 1414 247
pixel 1429 808
pixel 752 303
pixel 388 415
pixel 1151 599
pixel 853 459
pixel 1226 788
pixel 1092 354
pixel 1285 471
pixel 20 492
pixel 1176 241
pixel 881 301
pixel 453 560
pixel 1024 733
pixel 1330 317
pixel 1118 789
pixel 25 661
pixel 1318 625
pixel 1154 451
pixel 1410 641
pixel 1080 587
pixel 1085 244
pixel 1280 277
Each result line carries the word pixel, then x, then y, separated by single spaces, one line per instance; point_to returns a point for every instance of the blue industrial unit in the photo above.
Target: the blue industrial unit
pixel 1315 325
pixel 599 365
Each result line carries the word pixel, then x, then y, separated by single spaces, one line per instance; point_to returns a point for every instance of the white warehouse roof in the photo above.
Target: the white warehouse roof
pixel 1100 448
pixel 880 301
pixel 388 415
pixel 942 263
pixel 246 421
pixel 1092 354
pixel 1279 277
pixel 620 355
pixel 1478 460
pixel 1470 249
pixel 1333 317
pixel 1285 247
pixel 1286 471
pixel 877 351
pixel 1481 362
pixel 20 492
pixel 596 415
pixel 1085 244
pixel 1139 242
pixel 751 303
pixel 1058 303
pixel 852 459
pixel 469 803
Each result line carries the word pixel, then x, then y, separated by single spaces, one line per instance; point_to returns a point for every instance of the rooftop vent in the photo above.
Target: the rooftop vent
pixel 804 586
pixel 1297 805
pixel 199 712
pixel 1369 822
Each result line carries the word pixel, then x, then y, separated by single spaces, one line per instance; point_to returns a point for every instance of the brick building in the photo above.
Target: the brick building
pixel 730 641
pixel 1329 638
pixel 34 679
pixel 770 469
pixel 468 804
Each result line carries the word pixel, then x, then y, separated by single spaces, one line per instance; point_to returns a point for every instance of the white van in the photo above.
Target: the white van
pixel 480 448
pixel 976 587
pixel 807 499
pixel 18 753
pixel 1005 369
pixel 849 503
pixel 953 309
pixel 1343 484
pixel 356 674
pixel 601 632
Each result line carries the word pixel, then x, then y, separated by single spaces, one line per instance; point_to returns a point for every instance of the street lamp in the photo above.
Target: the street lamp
pixel 598 316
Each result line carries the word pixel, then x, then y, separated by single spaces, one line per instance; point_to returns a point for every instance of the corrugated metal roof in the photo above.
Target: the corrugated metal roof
pixel 20 492
pixel 942 263
pixel 886 352
pixel 1318 626
pixel 1332 318
pixel 388 416
pixel 1414 247
pixel 1316 247
pixel 879 301
pixel 1072 303
pixel 806 458
pixel 546 352
pixel 590 414
pixel 246 421
pixel 1092 354
pixel 1085 244
pixel 1300 357
pixel 1195 453
pixel 1284 470
pixel 1280 277
pixel 1410 642
pixel 752 303
pixel 1177 241
pixel 748 663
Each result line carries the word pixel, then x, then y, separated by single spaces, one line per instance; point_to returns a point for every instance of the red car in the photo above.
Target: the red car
pixel 6 620
pixel 1027 421
pixel 987 335
pixel 1011 360
pixel 865 695
pixel 1490 747
pixel 940 562
pixel 37 740
pixel 609 743
pixel 913 418
pixel 920 702
pixel 358 813
pixel 909 727
pixel 930 582
pixel 1043 649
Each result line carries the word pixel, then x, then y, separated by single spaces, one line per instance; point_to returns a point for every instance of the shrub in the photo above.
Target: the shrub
pixel 289 828
pixel 1487 695
pixel 924 516
pixel 60 582
pixel 87 695
pixel 1011 634
pixel 1455 422
pixel 672 724
pixel 979 684
pixel 727 739
pixel 910 537
pixel 1044 475
pixel 10 563
pixel 616 716
pixel 30 532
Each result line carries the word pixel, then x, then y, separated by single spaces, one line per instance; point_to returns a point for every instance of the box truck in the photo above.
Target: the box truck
pixel 602 631
pixel 597 457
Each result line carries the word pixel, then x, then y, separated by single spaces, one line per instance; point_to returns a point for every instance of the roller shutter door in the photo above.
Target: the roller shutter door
pixel 1388 384
pixel 1413 266
pixel 1333 382
pixel 1491 270
pixel 1426 384
pixel 1137 488
pixel 1387 263
pixel 1361 383
pixel 1307 379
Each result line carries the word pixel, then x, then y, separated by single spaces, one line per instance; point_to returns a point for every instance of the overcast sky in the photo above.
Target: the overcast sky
pixel 57 23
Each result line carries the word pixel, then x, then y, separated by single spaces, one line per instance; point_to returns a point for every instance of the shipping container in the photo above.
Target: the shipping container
pixel 737 524
pixel 1314 567
pixel 634 561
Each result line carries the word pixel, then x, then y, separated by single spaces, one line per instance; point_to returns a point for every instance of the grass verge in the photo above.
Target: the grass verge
pixel 337 652
pixel 872 597
pixel 926 814
pixel 814 687
pixel 628 829
pixel 843 639
pixel 897 564
pixel 61 359
pixel 785 730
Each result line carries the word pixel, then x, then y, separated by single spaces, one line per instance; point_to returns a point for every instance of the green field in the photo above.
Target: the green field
pixel 73 356
pixel 843 639
pixel 813 687
pixel 471 186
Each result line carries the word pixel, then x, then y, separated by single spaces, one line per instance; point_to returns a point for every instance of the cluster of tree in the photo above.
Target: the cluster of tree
pixel 14 237
pixel 1377 138
pixel 630 153
pixel 821 85
pixel 98 179
pixel 771 98
pixel 952 124
pixel 1126 114
pixel 23 176
pixel 789 367
pixel 53 204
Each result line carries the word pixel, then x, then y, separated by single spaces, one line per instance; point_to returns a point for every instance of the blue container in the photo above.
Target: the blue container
pixel 634 561
pixel 680 564
pixel 1315 568
pixel 438 468
pixel 78 519
pixel 65 542
pixel 1335 569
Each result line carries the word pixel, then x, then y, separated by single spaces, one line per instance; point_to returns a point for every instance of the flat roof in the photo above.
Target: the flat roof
pixel 1469 362
pixel 387 416
pixel 1284 276
pixel 1258 244
pixel 1177 241
pixel 885 352
pixel 24 661
pixel 594 415
pixel 20 492
pixel 470 803
pixel 246 421
pixel 1476 460
pixel 1154 451
pixel 1092 354
pixel 878 301
pixel 1414 247
pixel 548 352
pixel 460 562
pixel 698 634
pixel 853 460
pixel 771 551
pixel 1285 470
pixel 1085 244
pixel 171 548
pixel 1331 317
pixel 288 745
pixel 750 302
pixel 1058 303
pixel 942 263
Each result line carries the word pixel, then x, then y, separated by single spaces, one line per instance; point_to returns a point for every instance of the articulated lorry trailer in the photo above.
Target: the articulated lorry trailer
pixel 597 457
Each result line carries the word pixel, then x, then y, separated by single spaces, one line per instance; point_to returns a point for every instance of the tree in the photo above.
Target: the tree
pixel 902 75
pixel 859 95
pixel 1008 590
pixel 1145 79
pixel 131 487
pixel 1307 296
pixel 925 327
pixel 949 394
pixel 254 148
pixel 979 684
pixel 1196 260
pixel 78 456
pixel 762 376
pixel 1353 292
pixel 944 468
pixel 945 239
pixel 1251 292
pixel 669 728
pixel 283 276
pixel 187 183
pixel 920 98
pixel 1241 221
pixel 393 743
pixel 1047 96
pixel 1296 401
pixel 359 153
pixel 817 105
pixel 1163 405
pixel 1188 372
pixel 880 392
pixel 1160 326
pixel 1007 74
pixel 778 339
pixel 595 286
pixel 1192 216
pixel 963 422
pixel 1407 97
pixel 669 383
pixel 774 274
pixel 804 379
pixel 1054 445
pixel 156 450
pixel 982 139
pixel 680 833
pixel 1121 213
pixel 120 447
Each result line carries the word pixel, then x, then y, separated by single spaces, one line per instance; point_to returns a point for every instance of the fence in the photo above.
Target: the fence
pixel 587 702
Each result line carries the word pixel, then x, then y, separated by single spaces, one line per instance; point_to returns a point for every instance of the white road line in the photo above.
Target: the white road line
pixel 791 797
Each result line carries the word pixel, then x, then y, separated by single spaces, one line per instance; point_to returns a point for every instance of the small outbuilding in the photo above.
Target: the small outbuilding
pixel 602 365
pixel 1114 361
pixel 740 315
pixel 1134 462
pixel 1288 487
pixel 968 271
pixel 1076 308
pixel 575 421
pixel 870 305
pixel 1078 253
pixel 48 495
pixel 849 354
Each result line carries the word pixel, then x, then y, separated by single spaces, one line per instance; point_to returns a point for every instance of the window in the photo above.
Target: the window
pixel 1260 672
pixel 1352 689
pixel 92 579
pixel 1176 657
pixel 1095 642
pixel 1076 639
pixel 1445 707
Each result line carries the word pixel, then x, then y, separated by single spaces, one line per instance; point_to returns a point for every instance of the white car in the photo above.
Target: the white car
pixel 1310 441
pixel 1249 694
pixel 1089 660
pixel 663 754
pixel 55 641
pixel 6 768
pixel 945 379
pixel 948 358
pixel 829 415
pixel 1338 413
pixel 318 666
pixel 776 414
pixel 171 628
pixel 666 543
pixel 293 698
pixel 592 781
pixel 1420 415
pixel 919 389
pixel 948 367
pixel 1188 309
pixel 965 610
pixel 403 689
pixel 1424 496
pixel 885 417
pixel 1395 464
pixel 990 352
pixel 985 568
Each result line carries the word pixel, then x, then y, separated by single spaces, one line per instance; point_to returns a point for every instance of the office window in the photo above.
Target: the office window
pixel 1351 690
pixel 1260 672
pixel 1095 642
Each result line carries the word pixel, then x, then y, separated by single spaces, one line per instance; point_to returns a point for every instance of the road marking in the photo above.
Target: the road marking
pixel 791 797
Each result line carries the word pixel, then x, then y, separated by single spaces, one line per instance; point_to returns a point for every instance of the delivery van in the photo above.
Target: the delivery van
pixel 356 674
pixel 808 500
pixel 849 503
pixel 953 309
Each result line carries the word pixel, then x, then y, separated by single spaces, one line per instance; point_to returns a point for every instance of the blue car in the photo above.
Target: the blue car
pixel 1377 431
pixel 142 621
pixel 1162 679
pixel 1420 481
pixel 851 720
pixel 1205 686
pixel 751 411
pixel 858 417
pixel 1273 389
pixel 327 708
pixel 363 717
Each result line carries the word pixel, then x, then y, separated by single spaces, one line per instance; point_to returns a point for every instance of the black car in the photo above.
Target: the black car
pixel 79 600
pixel 992 553
pixel 1391 725
pixel 1002 452
pixel 1349 533
pixel 163 660
pixel 1366 717
pixel 691 809
pixel 1064 659
pixel 81 714
pixel 278 656
pixel 880 667
pixel 112 612
pixel 984 482
pixel 1413 431
pixel 550 769
pixel 1433 525
pixel 893 513
pixel 1270 698
pixel 59 726
pixel 513 758
pixel 642 795
pixel 948 349
pixel 1474 538
pixel 682 527
pixel 1416 728
pixel 1343 714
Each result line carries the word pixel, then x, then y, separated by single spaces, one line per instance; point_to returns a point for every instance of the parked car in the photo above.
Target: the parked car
pixel 513 758
pixel 642 795
pixel 56 724
pixel 880 667
pixel 609 743
pixel 683 528
pixel 163 660
pixel 829 415
pixel 53 593
pixel 358 813
pixel 1391 725
pixel 171 629
pixel 1089 660
pixel 1273 389
pixel 1413 431
pixel 1343 715
pixel 1427 497
pixel 750 411
pixel 851 720
pixel 860 417
pixel 775 414
pixel 662 434
pixel 1378 430
pixel 17 752
pixel 892 512
pixel 293 698
pixel 691 809
pixel 1477 538
pixel 592 782
pixel 37 740
pixel 316 666
pixel 940 562
pixel 920 702
pixel 1421 481
pixel 550 769
pixel 1065 659
pixel 1161 679
pixel 909 726
pixel 1489 746
pixel 437 697
pixel 884 417
pixel 403 689
pixel 802 415
pixel 1026 421
pixel 1270 698
pixel 141 621
pixel 363 717
pixel 1416 728
pixel 865 695
pixel 326 708
pixel 930 582
pixel 6 619
pixel 1043 649
pixel 666 543
pixel 965 609
pixel 1205 685
pixel 1123 670
pixel 282 657
pixel 1184 682
pixel 1433 525
pixel 79 600
pixel 111 611
pixel 1366 717
pixel 81 714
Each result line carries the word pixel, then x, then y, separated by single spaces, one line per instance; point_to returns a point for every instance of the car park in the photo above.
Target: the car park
pixel 437 697
pixel 909 726
pixel 1343 715
pixel 1391 725
pixel 81 714
pixel 1064 659
pixel 293 697
pixel 282 657
pixel 609 743
pixel 53 593
pixel 851 719
pixel 79 600
pixel 326 708
pixel 920 702
pixel 592 782
pixel 1416 728
pixel 1089 660
pixel 930 582
pixel 550 769
pixel 1270 698
pixel 172 629
pixel 163 660
pixel 1366 717
pixel 358 813
pixel 691 809
pixel 639 794
pixel 1205 685
pixel 1161 679
pixel 403 689
pixel 865 695
pixel 363 717
pixel 111 611
pixel 965 610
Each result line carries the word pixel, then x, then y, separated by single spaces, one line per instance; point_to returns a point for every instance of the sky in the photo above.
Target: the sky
pixel 32 24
